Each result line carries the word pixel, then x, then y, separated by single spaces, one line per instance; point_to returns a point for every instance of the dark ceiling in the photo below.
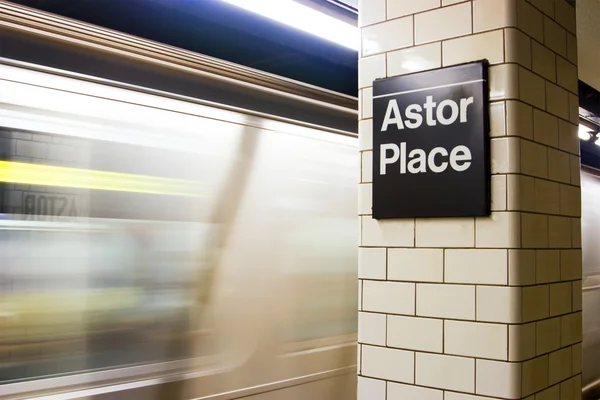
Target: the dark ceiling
pixel 220 30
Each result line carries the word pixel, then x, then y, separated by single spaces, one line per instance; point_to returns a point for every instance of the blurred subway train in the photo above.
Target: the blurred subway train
pixel 172 226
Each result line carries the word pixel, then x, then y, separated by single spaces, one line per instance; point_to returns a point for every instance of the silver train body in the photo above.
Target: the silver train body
pixel 169 242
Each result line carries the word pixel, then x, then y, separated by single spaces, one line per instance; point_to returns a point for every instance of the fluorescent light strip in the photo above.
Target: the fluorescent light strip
pixel 304 18
pixel 585 133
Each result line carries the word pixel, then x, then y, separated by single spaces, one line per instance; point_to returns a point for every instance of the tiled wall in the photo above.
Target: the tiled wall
pixel 478 308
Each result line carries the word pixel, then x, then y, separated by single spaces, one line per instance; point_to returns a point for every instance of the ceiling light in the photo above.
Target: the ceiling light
pixel 585 133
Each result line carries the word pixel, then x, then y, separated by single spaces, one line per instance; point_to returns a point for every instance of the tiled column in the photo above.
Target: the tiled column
pixel 478 308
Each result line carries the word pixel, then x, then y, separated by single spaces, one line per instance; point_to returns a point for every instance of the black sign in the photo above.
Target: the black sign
pixel 431 144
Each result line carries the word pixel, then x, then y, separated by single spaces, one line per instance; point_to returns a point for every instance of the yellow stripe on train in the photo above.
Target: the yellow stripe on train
pixel 48 175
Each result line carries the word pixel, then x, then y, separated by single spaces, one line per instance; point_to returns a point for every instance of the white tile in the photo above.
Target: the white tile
pixel 370 389
pixel 547 266
pixel 398 391
pixel 497 119
pixel 370 69
pixel 499 304
pixel 421 265
pixel 545 6
pixel 450 2
pixel 365 199
pixel 462 396
pixel 576 300
pixel 566 74
pixel 371 328
pixel 575 167
pixel 573 108
pixel 521 267
pixel 493 14
pixel 504 82
pixel 552 393
pixel 371 12
pixel 499 192
pixel 570 264
pixel 360 286
pixel 446 301
pixel 576 232
pixel 499 379
pixel 565 15
pixel 559 365
pixel 570 200
pixel 543 61
pixel 530 20
pixel 532 88
pixel 576 358
pixel 389 297
pixel 371 263
pixel 534 375
pixel 476 266
pixel 557 100
pixel 505 154
pixel 534 230
pixel 555 37
pixel 413 59
pixel 568 139
pixel 545 128
pixel 366 102
pixel 521 341
pixel 400 8
pixel 386 36
pixel 559 232
pixel 445 372
pixel 519 119
pixel 365 134
pixel 517 47
pixel 443 232
pixel 572 48
pixel 488 45
pixel 546 197
pixel 534 159
pixel 474 339
pixel 536 301
pixel 559 168
pixel 571 388
pixel 434 25
pixel 501 229
pixel 520 193
pixel 410 333
pixel 387 232
pixel 571 329
pixel 366 167
pixel 385 363
pixel 547 335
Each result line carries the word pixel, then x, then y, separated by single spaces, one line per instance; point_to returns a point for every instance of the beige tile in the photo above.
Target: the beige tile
pixel 450 2
pixel 536 301
pixel 517 47
pixel 366 167
pixel 400 8
pixel 360 285
pixel 530 20
pixel 498 192
pixel 575 167
pixel 560 298
pixel 576 354
pixel 543 61
pixel 568 139
pixel 371 388
pixel 559 167
pixel 446 301
pixel 475 339
pixel 573 108
pixel 371 263
pixel 576 232
pixel 521 193
pixel 555 37
pixel 421 265
pixel 576 294
pixel 572 48
pixel 552 393
pixel 445 372
pixel 534 375
pixel 410 333
pixel 481 266
pixel 545 6
pixel 505 154
pixel 432 26
pixel 557 100
pixel 570 264
pixel 386 36
pixel 566 75
pixel 365 197
pixel 571 329
pixel 559 232
pixel 534 231
pixel 389 297
pixel 385 363
pixel 570 200
pixel 488 45
pixel 545 128
pixel 547 266
pixel 443 232
pixel 371 328
pixel 497 119
pixel 565 15
pixel 504 83
pixel 521 342
pixel 499 304
pixel 571 389
pixel 414 59
pixel 532 88
pixel 498 379
pixel 521 267
pixel 371 68
pixel 366 102
pixel 371 12
pixel 501 229
pixel 387 233
pixel 534 159
pixel 398 391
pixel 462 396
pixel 493 14
pixel 365 134
pixel 546 196
pixel 519 119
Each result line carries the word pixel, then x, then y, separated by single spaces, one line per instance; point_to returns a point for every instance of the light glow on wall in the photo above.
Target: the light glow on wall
pixel 304 18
